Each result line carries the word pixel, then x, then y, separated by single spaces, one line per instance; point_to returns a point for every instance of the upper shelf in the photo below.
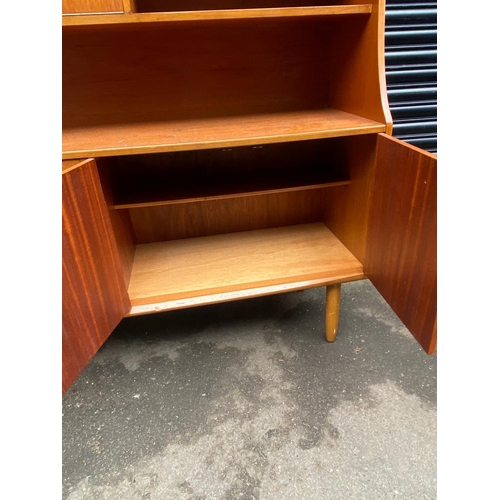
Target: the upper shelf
pixel 211 15
pixel 208 133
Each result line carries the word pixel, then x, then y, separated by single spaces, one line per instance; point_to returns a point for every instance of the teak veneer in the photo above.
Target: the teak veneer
pixel 231 262
pixel 221 150
pixel 184 135
pixel 214 15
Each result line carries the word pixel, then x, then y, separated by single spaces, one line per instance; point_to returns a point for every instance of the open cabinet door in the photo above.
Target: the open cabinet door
pixel 94 294
pixel 401 259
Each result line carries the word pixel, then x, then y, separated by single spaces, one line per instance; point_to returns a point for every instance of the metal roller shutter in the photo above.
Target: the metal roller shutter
pixel 411 70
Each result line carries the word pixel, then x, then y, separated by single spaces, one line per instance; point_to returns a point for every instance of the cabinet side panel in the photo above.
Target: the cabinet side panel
pixel 94 295
pixel 122 229
pixel 402 236
pixel 120 220
pixel 91 6
pixel 357 75
pixel 346 207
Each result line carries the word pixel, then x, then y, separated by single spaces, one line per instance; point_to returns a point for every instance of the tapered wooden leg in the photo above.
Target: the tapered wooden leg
pixel 332 311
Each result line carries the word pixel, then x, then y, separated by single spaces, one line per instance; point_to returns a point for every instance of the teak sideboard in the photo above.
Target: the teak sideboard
pixel 216 150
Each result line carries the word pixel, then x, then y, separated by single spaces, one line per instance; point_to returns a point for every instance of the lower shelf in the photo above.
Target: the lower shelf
pixel 206 270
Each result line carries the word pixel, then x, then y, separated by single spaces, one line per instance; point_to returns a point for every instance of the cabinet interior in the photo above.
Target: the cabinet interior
pixel 194 223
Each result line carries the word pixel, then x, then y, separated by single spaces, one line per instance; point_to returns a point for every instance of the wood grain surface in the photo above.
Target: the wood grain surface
pixel 402 238
pixel 203 300
pixel 332 311
pixel 213 15
pixel 68 165
pixel 198 267
pixel 128 7
pixel 188 72
pixel 357 81
pixel 120 220
pixel 91 6
pixel 229 215
pixel 154 137
pixel 94 294
pixel 346 209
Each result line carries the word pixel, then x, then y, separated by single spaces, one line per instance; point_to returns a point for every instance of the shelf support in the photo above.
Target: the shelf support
pixel 332 311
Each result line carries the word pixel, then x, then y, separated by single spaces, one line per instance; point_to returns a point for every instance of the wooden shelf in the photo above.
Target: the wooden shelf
pixel 212 15
pixel 210 269
pixel 170 192
pixel 157 137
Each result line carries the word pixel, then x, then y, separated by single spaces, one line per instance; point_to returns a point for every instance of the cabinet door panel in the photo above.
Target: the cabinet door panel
pixel 402 236
pixel 91 6
pixel 94 295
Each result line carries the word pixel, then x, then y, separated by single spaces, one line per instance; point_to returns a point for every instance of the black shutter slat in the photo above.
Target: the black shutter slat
pixel 415 127
pixel 408 16
pixel 409 76
pixel 415 111
pixel 412 94
pixel 411 70
pixel 411 57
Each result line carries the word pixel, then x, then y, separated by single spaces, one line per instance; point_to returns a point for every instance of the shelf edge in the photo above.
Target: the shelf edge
pixel 142 309
pixel 215 15
pixel 305 187
pixel 223 143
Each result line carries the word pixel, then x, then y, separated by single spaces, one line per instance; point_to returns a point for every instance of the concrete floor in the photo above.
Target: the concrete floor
pixel 246 400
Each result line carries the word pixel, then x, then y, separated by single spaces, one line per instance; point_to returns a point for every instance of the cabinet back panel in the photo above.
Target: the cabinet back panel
pixel 183 5
pixel 174 72
pixel 189 220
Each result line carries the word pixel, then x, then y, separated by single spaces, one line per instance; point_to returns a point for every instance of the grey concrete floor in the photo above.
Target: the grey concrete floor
pixel 246 400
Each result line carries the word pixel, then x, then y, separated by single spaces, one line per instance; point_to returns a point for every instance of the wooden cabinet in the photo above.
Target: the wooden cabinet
pixel 244 149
